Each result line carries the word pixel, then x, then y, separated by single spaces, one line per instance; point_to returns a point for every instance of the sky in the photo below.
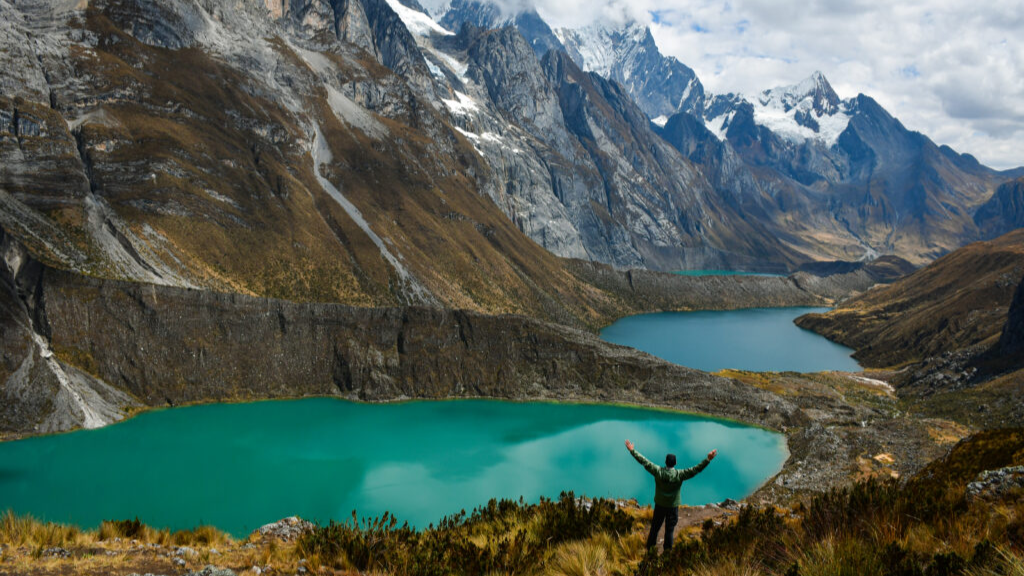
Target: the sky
pixel 952 69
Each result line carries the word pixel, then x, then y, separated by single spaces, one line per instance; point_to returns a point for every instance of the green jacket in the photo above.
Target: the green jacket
pixel 667 481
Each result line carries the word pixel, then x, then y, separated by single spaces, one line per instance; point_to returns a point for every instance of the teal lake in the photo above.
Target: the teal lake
pixel 725 273
pixel 758 339
pixel 238 466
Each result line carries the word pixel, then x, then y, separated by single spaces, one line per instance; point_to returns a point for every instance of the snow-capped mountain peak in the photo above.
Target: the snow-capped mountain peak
pixel 808 110
pixel 815 88
pixel 628 54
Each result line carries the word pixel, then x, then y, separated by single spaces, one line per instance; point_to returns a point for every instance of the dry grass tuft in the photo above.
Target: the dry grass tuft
pixel 578 559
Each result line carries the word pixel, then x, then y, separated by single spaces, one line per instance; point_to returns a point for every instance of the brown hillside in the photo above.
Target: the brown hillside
pixel 208 182
pixel 958 301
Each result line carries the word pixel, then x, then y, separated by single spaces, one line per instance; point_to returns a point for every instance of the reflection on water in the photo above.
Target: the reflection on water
pixel 239 466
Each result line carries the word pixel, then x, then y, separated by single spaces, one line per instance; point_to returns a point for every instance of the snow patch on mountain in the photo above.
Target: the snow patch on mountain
pixel 785 124
pixel 719 124
pixel 686 93
pixel 463 106
pixel 485 137
pixel 418 23
pixel 458 68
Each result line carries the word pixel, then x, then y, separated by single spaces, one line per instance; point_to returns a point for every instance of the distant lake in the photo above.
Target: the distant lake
pixel 724 273
pixel 238 466
pixel 758 339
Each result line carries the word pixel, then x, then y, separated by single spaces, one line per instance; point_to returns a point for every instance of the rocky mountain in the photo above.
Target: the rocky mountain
pixel 846 166
pixel 954 330
pixel 836 179
pixel 660 85
pixel 338 151
pixel 578 167
pixel 298 150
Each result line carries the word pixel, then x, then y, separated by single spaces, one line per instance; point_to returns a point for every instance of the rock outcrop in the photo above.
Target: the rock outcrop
pixel 997 484
pixel 1011 343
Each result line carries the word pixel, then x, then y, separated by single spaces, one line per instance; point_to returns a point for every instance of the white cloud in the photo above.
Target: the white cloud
pixel 951 69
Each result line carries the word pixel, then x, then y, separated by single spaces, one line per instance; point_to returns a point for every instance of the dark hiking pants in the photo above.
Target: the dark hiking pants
pixel 670 516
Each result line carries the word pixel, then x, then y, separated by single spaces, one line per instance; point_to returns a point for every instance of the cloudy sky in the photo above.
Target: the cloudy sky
pixel 951 69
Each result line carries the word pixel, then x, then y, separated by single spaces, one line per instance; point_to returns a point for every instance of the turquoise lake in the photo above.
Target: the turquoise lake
pixel 725 273
pixel 239 466
pixel 758 339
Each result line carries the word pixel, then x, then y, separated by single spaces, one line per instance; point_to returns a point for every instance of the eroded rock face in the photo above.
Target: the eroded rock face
pixel 40 392
pixel 98 344
pixel 167 345
pixel 1012 340
pixel 502 61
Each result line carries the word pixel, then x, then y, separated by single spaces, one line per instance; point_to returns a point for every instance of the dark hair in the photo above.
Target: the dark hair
pixel 670 460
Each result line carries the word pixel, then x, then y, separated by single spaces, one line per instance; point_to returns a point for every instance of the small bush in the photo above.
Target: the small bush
pixel 199 536
pixel 131 529
pixel 575 519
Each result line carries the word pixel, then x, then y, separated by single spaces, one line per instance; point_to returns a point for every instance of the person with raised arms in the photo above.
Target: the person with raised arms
pixel 667 482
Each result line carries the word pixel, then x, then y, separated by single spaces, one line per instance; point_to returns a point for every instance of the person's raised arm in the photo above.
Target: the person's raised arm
pixel 694 470
pixel 647 464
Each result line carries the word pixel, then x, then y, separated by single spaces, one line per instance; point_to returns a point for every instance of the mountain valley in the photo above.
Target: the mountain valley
pixel 212 201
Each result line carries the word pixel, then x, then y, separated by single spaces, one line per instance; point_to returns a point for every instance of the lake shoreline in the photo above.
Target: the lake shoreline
pixel 752 339
pixel 526 449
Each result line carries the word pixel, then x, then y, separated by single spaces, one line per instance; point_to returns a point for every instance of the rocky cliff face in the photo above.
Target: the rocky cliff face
pixel 577 166
pixel 1011 342
pixel 79 351
pixel 40 392
pixel 838 179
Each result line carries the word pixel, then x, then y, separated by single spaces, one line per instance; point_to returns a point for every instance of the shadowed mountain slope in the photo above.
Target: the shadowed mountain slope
pixel 961 300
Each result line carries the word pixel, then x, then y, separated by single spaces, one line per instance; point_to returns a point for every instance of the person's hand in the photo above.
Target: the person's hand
pixel 629 445
pixel 711 455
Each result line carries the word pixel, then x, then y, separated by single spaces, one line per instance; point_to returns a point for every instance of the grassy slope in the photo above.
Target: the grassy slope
pixel 960 300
